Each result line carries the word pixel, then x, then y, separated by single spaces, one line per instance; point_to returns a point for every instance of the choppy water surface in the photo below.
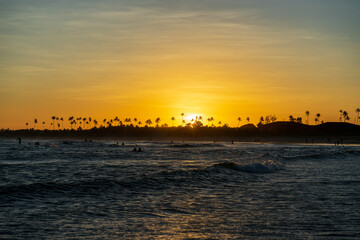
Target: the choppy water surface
pixel 188 190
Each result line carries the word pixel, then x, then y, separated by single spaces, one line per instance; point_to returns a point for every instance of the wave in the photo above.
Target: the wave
pixel 326 155
pixel 268 166
pixel 141 182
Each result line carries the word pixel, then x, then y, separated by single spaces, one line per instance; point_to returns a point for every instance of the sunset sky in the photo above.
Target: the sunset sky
pixel 159 58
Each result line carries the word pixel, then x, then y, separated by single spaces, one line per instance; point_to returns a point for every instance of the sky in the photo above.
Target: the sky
pixel 160 58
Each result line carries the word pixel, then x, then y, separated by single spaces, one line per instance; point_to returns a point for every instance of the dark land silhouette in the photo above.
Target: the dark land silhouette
pixel 282 131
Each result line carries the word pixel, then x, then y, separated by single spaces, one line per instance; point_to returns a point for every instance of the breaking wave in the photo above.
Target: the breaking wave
pixel 268 166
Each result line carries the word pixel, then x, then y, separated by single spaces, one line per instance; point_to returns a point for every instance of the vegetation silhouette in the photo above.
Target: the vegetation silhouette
pixel 268 126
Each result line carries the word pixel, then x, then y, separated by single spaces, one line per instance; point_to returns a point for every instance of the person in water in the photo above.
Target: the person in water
pixel 19 139
pixel 139 150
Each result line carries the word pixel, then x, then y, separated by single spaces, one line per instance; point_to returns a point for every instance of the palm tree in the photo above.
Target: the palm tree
pixel 346 116
pixel 157 121
pixel 127 120
pixel 341 114
pixel 57 122
pixel 148 122
pixel 248 119
pixel 261 120
pixel 307 113
pixel 62 123
pixel 71 120
pixel 318 116
pixel 35 122
pixel 140 123
pixel 53 118
pixel 316 120
pixel 291 118
pixel 219 123
pixel 239 120
pixel 84 122
pixel 172 119
pixel 357 115
pixel 182 117
pixel 43 123
pixel 27 126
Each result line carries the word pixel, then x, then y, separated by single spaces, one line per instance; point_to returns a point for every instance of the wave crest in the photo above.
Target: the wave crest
pixel 268 166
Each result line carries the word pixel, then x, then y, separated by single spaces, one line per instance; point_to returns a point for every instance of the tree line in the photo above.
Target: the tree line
pixel 80 123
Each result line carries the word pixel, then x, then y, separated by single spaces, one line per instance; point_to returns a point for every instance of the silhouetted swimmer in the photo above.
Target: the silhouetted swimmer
pixel 139 150
pixel 37 144
pixel 123 144
pixel 19 139
pixel 134 150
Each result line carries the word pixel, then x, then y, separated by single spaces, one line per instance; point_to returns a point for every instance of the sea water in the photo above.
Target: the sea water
pixel 190 190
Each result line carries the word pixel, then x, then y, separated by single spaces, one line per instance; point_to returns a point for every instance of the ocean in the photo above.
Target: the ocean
pixel 184 190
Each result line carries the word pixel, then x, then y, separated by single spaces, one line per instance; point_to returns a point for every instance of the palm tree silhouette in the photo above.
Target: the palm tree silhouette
pixel 71 120
pixel 53 118
pixel 307 113
pixel 341 114
pixel 248 119
pixel 35 122
pixel 357 115
pixel 148 122
pixel 43 123
pixel 318 116
pixel 345 116
pixel 316 120
pixel 84 122
pixel 57 122
pixel 172 119
pixel 157 121
pixel 239 120
pixel 27 126
pixel 182 117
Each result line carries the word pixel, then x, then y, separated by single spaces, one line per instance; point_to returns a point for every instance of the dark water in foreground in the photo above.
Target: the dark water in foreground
pixel 182 191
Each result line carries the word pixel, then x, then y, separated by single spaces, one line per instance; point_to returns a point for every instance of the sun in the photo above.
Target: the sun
pixel 191 116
